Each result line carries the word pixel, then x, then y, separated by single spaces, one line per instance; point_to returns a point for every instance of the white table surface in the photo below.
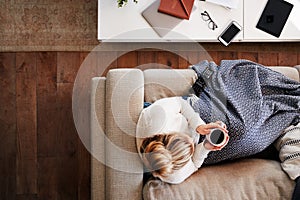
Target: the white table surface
pixel 126 24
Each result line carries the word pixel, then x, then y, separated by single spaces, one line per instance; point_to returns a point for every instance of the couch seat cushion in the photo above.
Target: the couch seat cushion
pixel 243 179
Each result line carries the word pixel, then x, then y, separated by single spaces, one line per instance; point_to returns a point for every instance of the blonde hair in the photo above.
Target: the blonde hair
pixel 164 153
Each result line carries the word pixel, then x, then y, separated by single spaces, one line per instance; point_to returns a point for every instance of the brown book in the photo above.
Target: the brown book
pixel 177 8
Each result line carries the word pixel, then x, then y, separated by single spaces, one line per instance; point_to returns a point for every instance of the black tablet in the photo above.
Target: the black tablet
pixel 274 16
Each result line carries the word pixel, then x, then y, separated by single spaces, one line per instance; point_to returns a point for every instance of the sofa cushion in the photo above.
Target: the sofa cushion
pixel 161 83
pixel 291 72
pixel 242 179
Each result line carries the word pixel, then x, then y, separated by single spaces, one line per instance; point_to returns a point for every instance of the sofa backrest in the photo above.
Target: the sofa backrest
pixel 291 72
pixel 160 83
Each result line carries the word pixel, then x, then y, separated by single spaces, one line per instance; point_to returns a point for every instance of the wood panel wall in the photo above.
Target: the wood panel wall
pixel 41 155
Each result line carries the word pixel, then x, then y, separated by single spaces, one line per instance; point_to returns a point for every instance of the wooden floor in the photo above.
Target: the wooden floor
pixel 41 155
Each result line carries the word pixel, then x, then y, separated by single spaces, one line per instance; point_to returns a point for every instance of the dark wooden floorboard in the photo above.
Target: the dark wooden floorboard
pixel 8 126
pixel 26 123
pixel 47 107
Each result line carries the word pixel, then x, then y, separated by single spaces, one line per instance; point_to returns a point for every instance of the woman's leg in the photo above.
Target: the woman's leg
pixel 288 146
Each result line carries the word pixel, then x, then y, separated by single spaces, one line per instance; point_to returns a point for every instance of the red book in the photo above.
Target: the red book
pixel 177 8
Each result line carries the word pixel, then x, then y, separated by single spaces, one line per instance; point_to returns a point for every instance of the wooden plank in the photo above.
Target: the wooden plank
pixel 268 58
pixel 252 56
pixel 47 108
pixel 8 105
pixel 47 188
pixel 57 136
pixel 225 55
pixel 147 59
pixel 47 125
pixel 66 134
pixel 183 61
pixel 8 178
pixel 287 58
pixel 127 60
pixel 187 58
pixel 26 123
pixel 167 59
pixel 8 126
pixel 68 64
pixel 205 55
pixel 57 178
pixel 68 139
pixel 214 56
pixel 84 172
pixel 106 60
pixel 26 197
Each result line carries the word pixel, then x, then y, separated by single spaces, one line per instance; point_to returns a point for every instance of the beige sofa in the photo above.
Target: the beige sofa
pixel 117 172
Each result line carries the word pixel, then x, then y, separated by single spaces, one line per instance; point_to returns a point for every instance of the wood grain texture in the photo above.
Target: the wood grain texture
pixel 287 58
pixel 47 108
pixel 26 123
pixel 105 61
pixel 127 60
pixel 168 59
pixel 8 105
pixel 68 64
pixel 268 58
pixel 57 178
pixel 252 56
pixel 147 59
pixel 8 125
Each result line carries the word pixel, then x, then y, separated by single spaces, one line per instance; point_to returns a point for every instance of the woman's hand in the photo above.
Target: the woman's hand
pixel 205 129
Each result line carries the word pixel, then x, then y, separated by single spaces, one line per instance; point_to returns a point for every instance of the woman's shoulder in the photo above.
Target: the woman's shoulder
pixel 166 102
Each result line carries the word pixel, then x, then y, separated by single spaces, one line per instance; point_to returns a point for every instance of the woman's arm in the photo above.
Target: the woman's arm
pixel 188 112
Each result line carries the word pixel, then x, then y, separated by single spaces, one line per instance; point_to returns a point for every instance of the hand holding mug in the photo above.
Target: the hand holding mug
pixel 205 129
pixel 217 137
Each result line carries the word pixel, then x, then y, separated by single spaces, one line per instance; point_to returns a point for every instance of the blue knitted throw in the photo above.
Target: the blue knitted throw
pixel 255 102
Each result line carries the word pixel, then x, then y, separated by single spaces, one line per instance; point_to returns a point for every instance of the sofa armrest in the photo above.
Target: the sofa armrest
pixel 291 72
pixel 124 102
pixel 97 138
pixel 298 68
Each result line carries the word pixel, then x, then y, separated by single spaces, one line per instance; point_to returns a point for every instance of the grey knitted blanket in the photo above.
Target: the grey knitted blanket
pixel 255 102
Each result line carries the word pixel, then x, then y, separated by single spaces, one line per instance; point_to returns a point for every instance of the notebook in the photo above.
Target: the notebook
pixel 160 22
pixel 178 8
pixel 274 17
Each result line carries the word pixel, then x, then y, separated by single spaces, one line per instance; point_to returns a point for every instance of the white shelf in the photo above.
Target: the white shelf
pixel 126 24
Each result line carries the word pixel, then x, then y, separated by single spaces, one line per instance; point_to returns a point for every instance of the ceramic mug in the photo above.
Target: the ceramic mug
pixel 217 137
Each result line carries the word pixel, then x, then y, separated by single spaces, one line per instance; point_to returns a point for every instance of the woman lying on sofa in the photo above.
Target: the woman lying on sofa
pixel 171 135
pixel 168 133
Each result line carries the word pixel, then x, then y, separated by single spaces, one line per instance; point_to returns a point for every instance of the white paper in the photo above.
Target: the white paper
pixel 225 3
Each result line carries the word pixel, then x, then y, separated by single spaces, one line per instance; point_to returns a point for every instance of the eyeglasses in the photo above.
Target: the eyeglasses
pixel 211 24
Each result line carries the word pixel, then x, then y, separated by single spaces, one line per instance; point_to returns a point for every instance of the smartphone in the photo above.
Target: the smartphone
pixel 229 33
